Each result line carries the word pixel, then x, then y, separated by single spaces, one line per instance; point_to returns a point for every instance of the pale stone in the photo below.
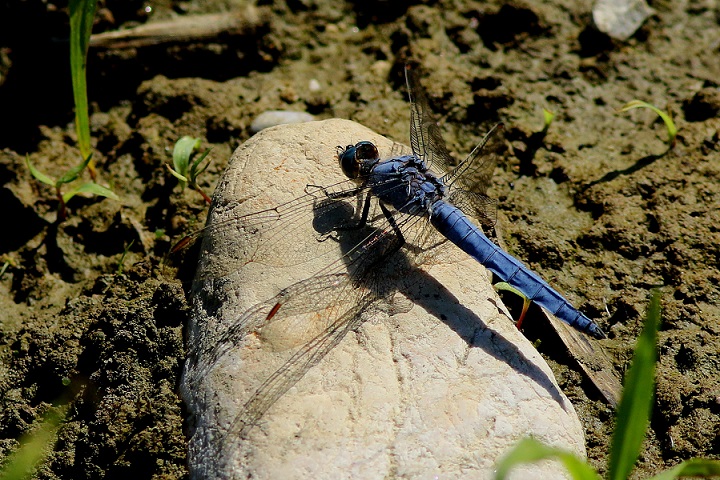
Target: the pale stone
pixel 620 19
pixel 437 386
pixel 272 118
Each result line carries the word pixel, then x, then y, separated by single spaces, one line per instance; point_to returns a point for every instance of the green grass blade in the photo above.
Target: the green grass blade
pixel 34 447
pixel 38 174
pixel 548 117
pixel 93 188
pixel 182 152
pixel 666 118
pixel 98 190
pixel 695 467
pixel 74 172
pixel 82 13
pixel 526 301
pixel 120 266
pixel 633 413
pixel 194 172
pixel 530 450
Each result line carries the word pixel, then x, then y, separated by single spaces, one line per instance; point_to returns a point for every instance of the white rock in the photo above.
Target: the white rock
pixel 314 85
pixel 440 391
pixel 273 118
pixel 620 19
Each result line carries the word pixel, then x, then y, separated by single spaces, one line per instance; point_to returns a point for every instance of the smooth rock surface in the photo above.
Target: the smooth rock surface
pixel 437 383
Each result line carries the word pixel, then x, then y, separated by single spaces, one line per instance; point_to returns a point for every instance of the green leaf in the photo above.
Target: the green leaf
pixel 74 172
pixel 182 152
pixel 548 118
pixel 509 288
pixel 194 173
pixel 633 413
pixel 695 467
pixel 4 267
pixel 93 188
pixel 177 175
pixel 34 446
pixel 38 174
pixel 82 13
pixel 666 118
pixel 530 450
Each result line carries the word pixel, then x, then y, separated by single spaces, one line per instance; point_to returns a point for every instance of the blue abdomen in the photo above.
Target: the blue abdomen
pixel 457 228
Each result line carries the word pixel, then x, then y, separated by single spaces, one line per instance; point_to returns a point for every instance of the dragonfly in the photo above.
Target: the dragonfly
pixel 399 214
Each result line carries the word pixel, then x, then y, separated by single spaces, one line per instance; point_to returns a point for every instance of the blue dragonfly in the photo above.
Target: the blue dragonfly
pixel 401 215
pixel 408 184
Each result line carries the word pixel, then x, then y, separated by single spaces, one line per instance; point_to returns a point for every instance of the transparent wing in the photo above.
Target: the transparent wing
pixel 342 316
pixel 425 137
pixel 470 179
pixel 270 236
pixel 330 303
pixel 475 205
pixel 367 272
pixel 367 264
pixel 474 174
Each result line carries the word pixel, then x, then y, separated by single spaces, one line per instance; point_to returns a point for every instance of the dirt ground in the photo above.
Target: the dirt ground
pixel 599 206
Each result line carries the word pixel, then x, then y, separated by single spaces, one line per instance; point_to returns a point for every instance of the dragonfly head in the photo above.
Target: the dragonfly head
pixel 355 159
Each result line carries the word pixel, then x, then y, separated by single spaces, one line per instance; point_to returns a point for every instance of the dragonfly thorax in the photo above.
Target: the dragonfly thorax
pixel 406 184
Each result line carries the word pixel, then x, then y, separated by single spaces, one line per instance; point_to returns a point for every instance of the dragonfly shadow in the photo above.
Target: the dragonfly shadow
pixel 398 273
pixel 473 330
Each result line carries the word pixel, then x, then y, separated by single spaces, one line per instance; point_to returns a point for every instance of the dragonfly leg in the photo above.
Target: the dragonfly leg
pixel 393 224
pixel 363 217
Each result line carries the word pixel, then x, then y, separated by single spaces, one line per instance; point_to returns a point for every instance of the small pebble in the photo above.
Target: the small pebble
pixel 620 19
pixel 314 85
pixel 278 117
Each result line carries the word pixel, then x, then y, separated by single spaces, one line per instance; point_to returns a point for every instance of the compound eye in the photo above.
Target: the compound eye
pixel 348 162
pixel 366 151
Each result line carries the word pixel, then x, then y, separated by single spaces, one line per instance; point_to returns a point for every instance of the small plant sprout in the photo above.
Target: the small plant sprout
pixel 187 169
pixel 548 118
pixel 70 176
pixel 665 116
pixel 121 263
pixel 6 263
pixel 526 301
pixel 632 419
pixel 82 13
